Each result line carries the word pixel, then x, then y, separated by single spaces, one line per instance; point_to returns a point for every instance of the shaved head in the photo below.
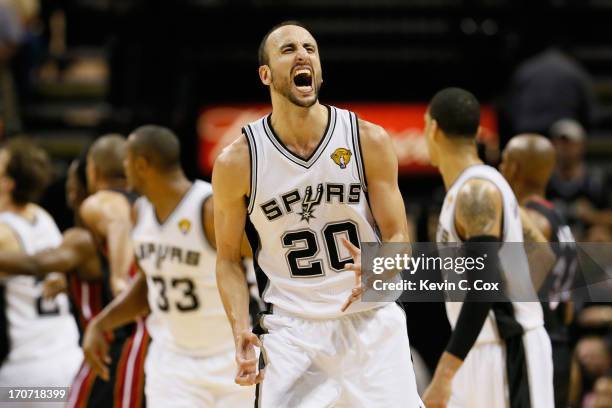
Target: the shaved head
pixel 532 156
pixel 262 54
pixel 158 145
pixel 107 155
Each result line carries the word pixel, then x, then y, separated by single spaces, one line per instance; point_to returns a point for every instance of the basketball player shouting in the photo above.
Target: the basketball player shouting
pixel 509 361
pixel 303 181
pixel 190 362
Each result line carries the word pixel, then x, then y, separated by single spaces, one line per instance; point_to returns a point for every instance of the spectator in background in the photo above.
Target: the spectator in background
pixel 594 365
pixel 548 87
pixel 603 393
pixel 11 35
pixel 574 186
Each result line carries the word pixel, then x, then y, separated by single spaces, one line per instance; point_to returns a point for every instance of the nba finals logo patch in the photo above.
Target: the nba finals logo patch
pixel 184 225
pixel 341 157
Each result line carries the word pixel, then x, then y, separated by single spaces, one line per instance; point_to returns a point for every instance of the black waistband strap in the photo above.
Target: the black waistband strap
pixel 511 332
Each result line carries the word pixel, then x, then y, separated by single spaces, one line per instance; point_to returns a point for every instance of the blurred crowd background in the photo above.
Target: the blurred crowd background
pixel 71 70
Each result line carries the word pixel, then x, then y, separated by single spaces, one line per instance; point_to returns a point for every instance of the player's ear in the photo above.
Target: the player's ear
pixel 7 184
pixel 265 75
pixel 140 164
pixel 435 134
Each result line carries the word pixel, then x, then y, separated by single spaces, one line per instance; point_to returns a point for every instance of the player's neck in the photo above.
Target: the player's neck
pixel 299 126
pixel 167 192
pixel 525 192
pixel 455 161
pixel 8 205
pixel 110 184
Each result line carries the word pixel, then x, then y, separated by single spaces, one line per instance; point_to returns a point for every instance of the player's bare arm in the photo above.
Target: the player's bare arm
pixel 125 308
pixel 9 243
pixel 380 162
pixel 387 204
pixel 208 216
pixel 539 221
pixel 540 256
pixel 231 179
pixel 76 254
pixel 107 214
pixel 478 213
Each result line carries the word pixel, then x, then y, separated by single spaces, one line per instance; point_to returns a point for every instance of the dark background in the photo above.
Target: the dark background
pixel 126 63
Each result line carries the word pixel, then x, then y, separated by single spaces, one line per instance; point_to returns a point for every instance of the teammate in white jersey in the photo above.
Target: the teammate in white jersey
pixel 39 338
pixel 309 182
pixel 190 362
pixel 499 354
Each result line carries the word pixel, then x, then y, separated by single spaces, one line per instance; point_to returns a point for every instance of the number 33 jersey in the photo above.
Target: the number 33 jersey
pixel 187 315
pixel 298 211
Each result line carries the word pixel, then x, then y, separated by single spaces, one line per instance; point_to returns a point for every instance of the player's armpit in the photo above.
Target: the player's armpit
pixel 13 261
pixel 478 210
pixel 8 239
pixel 208 220
pixel 380 162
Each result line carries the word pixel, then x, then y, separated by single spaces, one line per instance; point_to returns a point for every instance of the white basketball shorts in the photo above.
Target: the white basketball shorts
pixel 181 381
pixel 359 360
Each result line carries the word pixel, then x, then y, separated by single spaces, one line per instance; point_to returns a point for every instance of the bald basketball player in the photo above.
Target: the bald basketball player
pixel 106 212
pixel 527 163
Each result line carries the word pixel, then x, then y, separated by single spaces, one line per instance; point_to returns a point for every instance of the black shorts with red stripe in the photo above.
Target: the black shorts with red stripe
pixel 125 388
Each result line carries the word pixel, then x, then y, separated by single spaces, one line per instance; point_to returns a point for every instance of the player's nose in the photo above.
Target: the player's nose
pixel 301 55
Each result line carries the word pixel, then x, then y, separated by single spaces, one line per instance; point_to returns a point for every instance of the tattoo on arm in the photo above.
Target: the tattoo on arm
pixel 479 209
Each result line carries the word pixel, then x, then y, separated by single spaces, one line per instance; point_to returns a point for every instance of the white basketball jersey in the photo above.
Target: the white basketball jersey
pixel 513 259
pixel 298 210
pixel 37 328
pixel 187 315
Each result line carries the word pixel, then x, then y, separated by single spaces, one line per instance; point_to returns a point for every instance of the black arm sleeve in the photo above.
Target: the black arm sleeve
pixel 475 309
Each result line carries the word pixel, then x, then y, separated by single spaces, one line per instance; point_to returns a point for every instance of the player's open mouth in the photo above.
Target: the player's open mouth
pixel 302 79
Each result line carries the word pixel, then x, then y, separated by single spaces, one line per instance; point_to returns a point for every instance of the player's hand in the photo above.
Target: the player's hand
pixel 437 394
pixel 53 285
pixel 356 268
pixel 95 348
pixel 247 360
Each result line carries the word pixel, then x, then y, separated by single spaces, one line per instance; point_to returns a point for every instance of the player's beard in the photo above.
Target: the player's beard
pixel 284 89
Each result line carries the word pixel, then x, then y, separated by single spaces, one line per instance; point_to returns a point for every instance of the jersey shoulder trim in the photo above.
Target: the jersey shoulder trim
pixel 248 133
pixel 357 148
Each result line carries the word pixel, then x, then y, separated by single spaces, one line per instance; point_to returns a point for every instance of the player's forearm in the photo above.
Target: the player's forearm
pixel 447 367
pixel 18 264
pixel 125 308
pixel 233 289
